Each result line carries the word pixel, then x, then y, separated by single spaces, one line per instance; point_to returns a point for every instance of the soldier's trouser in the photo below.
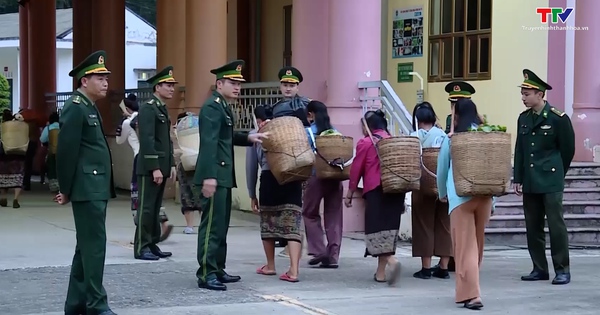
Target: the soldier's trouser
pixel 150 197
pixel 212 233
pixel 86 293
pixel 537 206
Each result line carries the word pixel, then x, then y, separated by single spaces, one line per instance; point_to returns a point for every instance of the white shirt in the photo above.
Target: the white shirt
pixel 127 133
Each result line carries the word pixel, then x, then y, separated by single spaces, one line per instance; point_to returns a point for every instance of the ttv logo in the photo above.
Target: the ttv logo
pixel 555 13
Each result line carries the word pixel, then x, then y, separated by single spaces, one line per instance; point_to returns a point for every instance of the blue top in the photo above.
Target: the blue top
pixel 431 138
pixel 445 179
pixel 44 136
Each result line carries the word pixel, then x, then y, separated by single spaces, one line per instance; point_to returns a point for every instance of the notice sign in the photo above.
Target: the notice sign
pixel 403 72
pixel 407 33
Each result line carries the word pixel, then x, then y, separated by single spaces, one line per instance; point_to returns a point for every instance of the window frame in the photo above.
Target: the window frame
pixel 467 36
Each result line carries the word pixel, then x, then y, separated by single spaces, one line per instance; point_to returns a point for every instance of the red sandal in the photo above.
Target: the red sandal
pixel 286 277
pixel 261 271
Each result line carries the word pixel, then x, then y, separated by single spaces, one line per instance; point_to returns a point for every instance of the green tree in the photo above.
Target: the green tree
pixel 4 94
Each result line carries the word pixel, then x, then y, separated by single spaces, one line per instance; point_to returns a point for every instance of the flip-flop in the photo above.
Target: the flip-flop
pixel 261 271
pixel 395 274
pixel 286 277
pixel 377 280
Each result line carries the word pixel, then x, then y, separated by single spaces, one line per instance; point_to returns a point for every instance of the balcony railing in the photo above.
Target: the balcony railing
pixel 252 95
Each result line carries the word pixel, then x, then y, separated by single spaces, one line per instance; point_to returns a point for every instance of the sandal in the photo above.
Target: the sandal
pixel 377 280
pixel 286 277
pixel 473 305
pixel 261 271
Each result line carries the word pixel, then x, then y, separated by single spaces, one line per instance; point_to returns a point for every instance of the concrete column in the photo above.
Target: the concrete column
pixel 586 100
pixel 170 46
pixel 310 46
pixel 354 56
pixel 42 55
pixel 24 56
pixel 206 48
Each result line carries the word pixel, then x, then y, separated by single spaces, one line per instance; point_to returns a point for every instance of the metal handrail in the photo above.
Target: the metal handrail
pixel 387 99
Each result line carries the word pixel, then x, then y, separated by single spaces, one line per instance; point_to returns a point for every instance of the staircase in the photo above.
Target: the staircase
pixel 581 203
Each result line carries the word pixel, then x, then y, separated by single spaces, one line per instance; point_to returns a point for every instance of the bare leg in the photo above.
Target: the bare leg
pixel 269 247
pixel 444 262
pixel 189 218
pixel 426 262
pixel 295 251
pixel 382 262
pixel 17 193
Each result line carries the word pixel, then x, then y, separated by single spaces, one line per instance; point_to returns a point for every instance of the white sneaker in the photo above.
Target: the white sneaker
pixel 283 254
pixel 188 230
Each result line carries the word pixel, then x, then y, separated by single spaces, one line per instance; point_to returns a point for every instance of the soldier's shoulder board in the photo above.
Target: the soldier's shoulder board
pixel 217 100
pixel 557 112
pixel 76 99
pixel 150 102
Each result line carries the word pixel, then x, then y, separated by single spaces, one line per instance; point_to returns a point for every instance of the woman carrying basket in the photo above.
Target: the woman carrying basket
pixel 328 190
pixel 382 211
pixel 280 208
pixel 430 219
pixel 468 215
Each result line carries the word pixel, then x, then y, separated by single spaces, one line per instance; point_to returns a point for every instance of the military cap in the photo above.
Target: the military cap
pixel 93 64
pixel 164 76
pixel 532 81
pixel 231 71
pixel 290 75
pixel 459 89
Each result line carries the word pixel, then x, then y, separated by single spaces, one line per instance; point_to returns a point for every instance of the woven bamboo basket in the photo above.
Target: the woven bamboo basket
pixel 481 163
pixel 15 137
pixel 288 152
pixel 428 177
pixel 189 143
pixel 53 140
pixel 334 156
pixel 400 159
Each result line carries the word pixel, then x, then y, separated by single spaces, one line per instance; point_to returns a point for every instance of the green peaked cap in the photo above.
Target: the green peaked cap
pixel 532 81
pixel 93 64
pixel 231 71
pixel 290 75
pixel 164 76
pixel 459 89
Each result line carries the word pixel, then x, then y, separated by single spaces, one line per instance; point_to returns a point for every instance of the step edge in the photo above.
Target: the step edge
pixel 510 204
pixel 498 230
pixel 567 216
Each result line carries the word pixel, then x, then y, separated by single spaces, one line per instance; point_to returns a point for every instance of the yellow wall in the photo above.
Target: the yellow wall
pixel 272 34
pixel 513 49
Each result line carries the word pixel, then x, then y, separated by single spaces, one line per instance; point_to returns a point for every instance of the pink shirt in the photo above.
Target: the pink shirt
pixel 366 163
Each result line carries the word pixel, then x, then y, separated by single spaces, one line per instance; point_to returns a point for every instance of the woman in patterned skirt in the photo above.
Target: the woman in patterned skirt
pixel 382 210
pixel 12 168
pixel 189 194
pixel 280 208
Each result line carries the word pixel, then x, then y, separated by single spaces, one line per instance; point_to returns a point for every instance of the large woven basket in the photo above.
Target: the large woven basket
pixel 189 142
pixel 481 163
pixel 400 159
pixel 53 140
pixel 15 137
pixel 428 177
pixel 334 156
pixel 288 152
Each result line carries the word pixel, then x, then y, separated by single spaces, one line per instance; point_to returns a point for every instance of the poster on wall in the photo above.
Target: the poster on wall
pixel 407 33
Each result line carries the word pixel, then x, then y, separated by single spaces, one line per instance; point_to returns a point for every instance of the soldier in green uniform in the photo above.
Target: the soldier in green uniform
pixel 456 90
pixel 84 168
pixel 155 162
pixel 543 153
pixel 215 173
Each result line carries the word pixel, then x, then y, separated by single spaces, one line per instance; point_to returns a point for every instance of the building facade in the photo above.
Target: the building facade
pixel 341 44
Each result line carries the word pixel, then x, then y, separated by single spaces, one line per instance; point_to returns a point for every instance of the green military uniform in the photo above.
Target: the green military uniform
pixel 156 153
pixel 457 90
pixel 215 161
pixel 543 152
pixel 84 170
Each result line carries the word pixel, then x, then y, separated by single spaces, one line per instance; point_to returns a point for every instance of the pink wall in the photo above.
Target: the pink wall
pixel 556 62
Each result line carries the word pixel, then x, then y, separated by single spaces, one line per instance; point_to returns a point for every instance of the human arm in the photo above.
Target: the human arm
pixel 210 120
pixel 443 168
pixel 518 158
pixel 125 130
pixel 251 171
pixel 69 142
pixel 357 169
pixel 566 141
pixel 44 135
pixel 240 138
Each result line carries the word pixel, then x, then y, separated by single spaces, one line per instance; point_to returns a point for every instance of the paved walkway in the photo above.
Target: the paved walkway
pixel 37 245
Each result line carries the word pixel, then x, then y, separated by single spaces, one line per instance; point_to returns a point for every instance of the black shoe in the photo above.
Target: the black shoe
pixel 146 254
pixel 473 305
pixel 227 278
pixel 441 273
pixel 423 274
pixel 451 266
pixel 109 312
pixel 3 202
pixel 159 253
pixel 212 284
pixel 562 278
pixel 536 275
pixel 319 259
pixel 78 311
